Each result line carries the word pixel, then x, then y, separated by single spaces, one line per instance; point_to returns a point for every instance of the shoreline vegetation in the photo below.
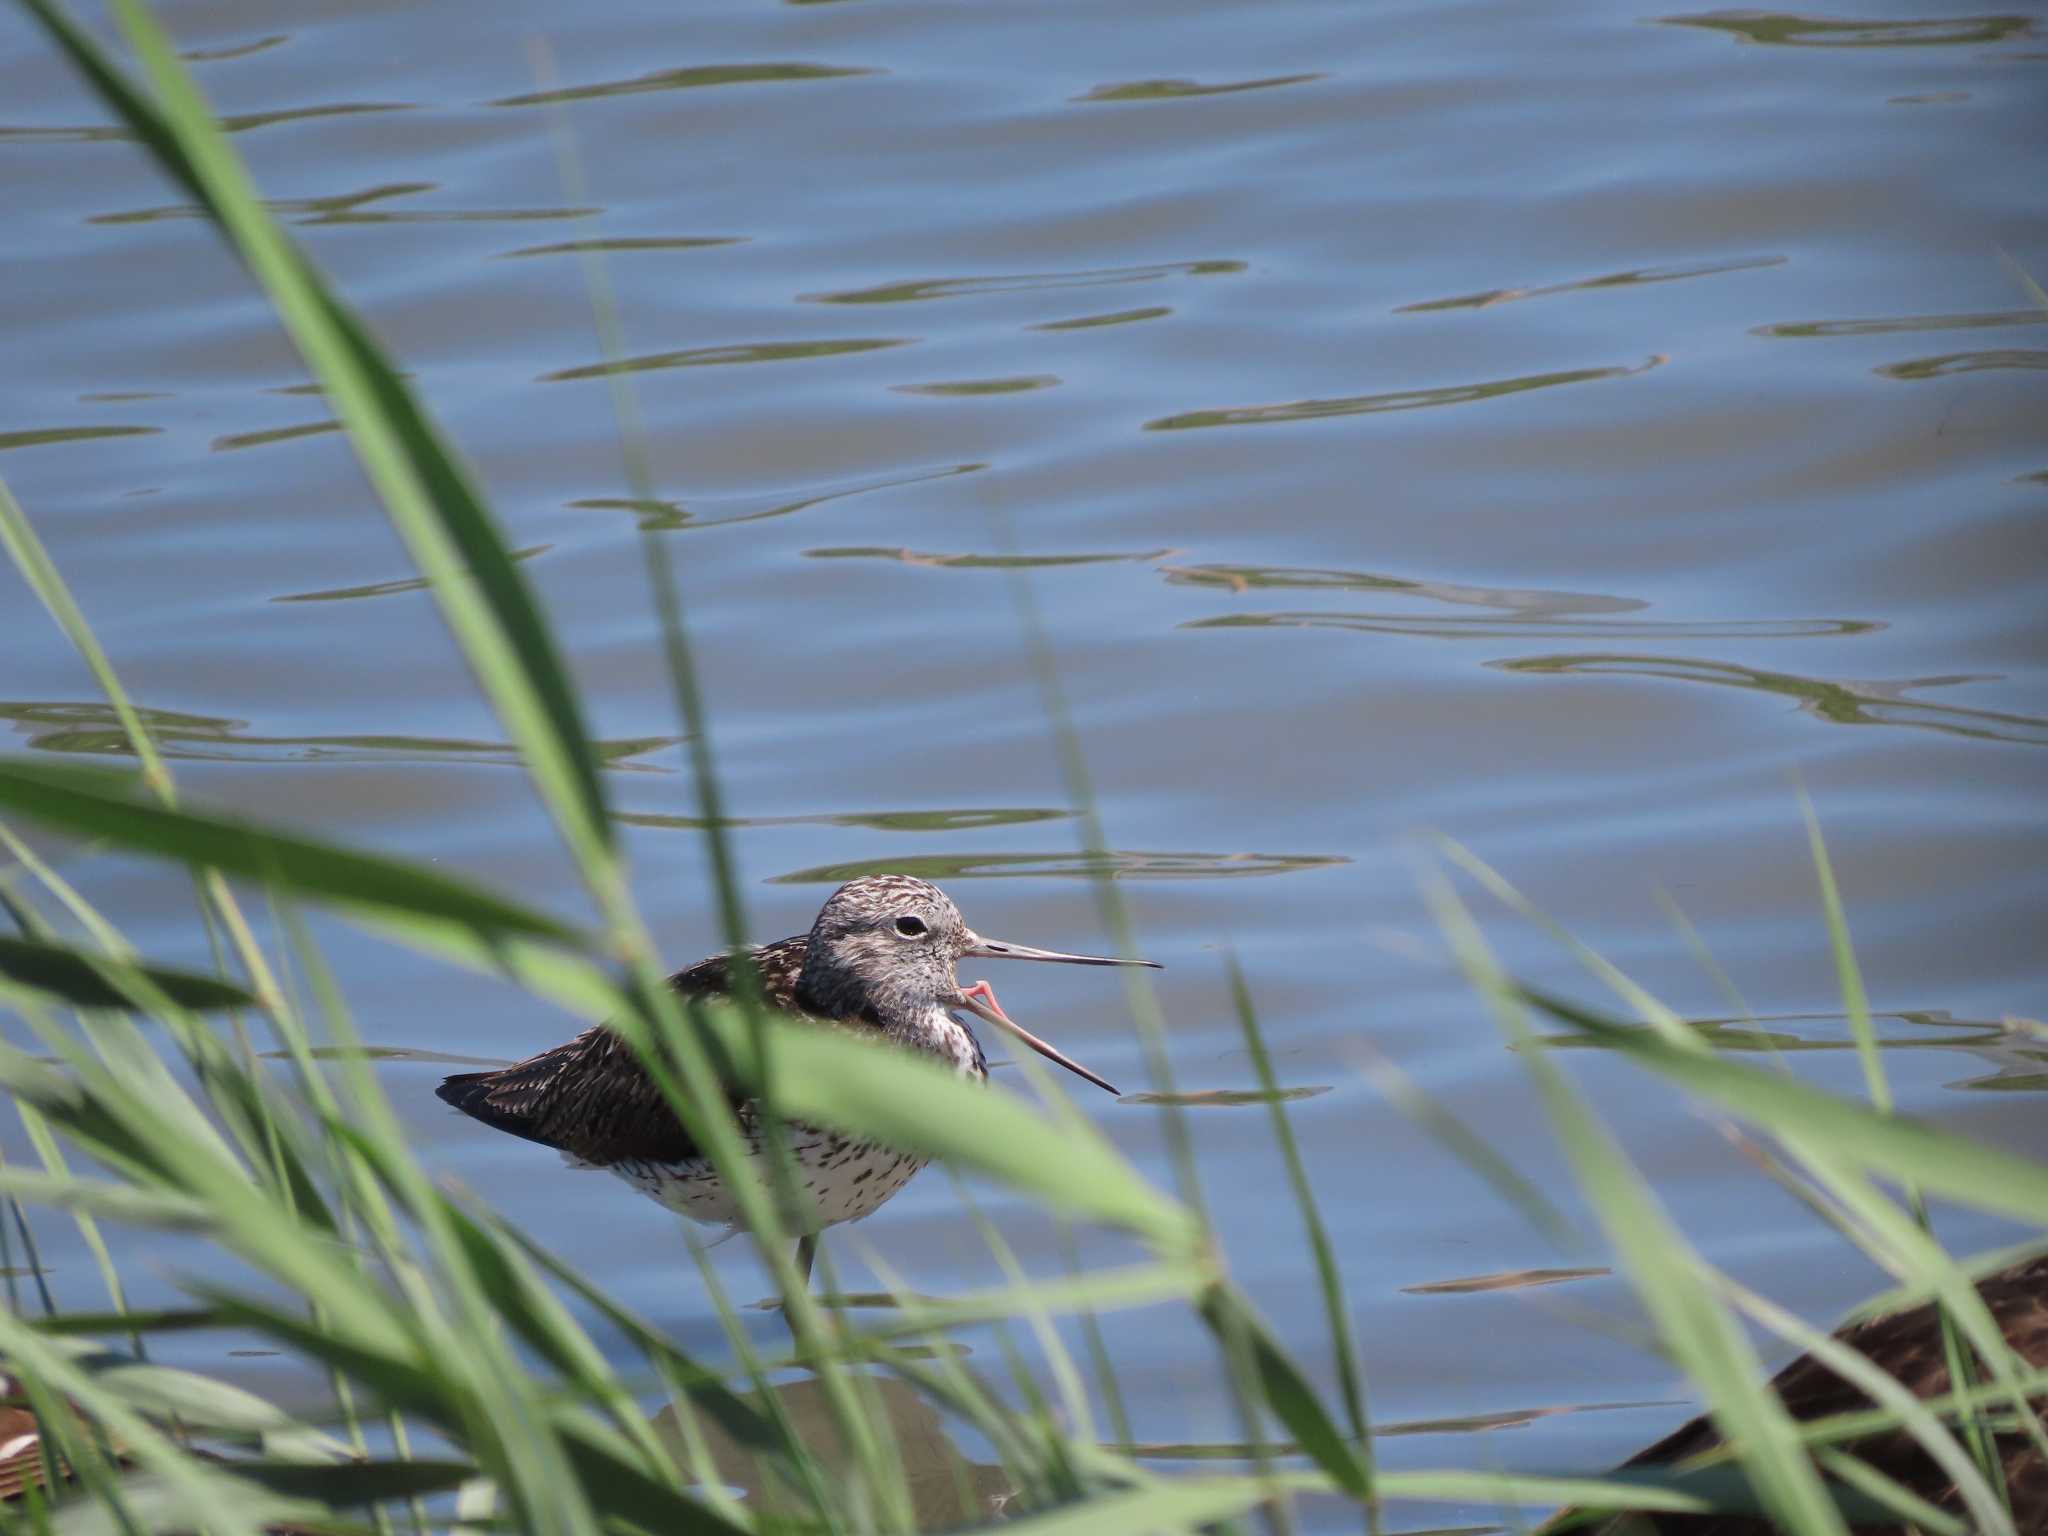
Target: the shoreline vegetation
pixel 465 1384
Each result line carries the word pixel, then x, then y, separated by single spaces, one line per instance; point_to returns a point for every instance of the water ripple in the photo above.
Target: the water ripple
pixel 923 290
pixel 613 245
pixel 686 79
pixel 240 122
pixel 1842 703
pixel 1963 362
pixel 1115 317
pixel 979 562
pixel 1781 30
pixel 387 588
pixel 962 820
pixel 1116 864
pixel 1893 324
pixel 1472 627
pixel 658 516
pixel 1179 90
pixel 1228 1098
pixel 1503 1280
pixel 718 357
pixel 1395 400
pixel 969 388
pixel 354 208
pixel 43 436
pixel 1630 279
pixel 92 729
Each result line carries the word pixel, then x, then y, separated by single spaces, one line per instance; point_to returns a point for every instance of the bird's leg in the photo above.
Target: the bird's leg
pixel 806 1252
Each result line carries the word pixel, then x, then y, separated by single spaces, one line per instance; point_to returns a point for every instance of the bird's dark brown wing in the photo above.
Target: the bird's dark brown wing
pixel 1908 1346
pixel 590 1098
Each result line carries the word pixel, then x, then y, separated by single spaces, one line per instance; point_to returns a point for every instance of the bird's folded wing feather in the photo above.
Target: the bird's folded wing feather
pixel 591 1098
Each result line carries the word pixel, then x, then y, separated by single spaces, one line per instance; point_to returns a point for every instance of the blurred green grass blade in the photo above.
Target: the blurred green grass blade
pixel 707 1391
pixel 1287 1392
pixel 627 1494
pixel 200 1493
pixel 1102 1290
pixel 398 1380
pixel 80 978
pixel 1887 1391
pixel 353 1482
pixel 1350 1380
pixel 1953 1166
pixel 827 1076
pixel 1673 1282
pixel 1179 1504
pixel 1920 1516
pixel 18 538
pixel 116 1202
pixel 1849 976
pixel 160 1320
pixel 424 487
pixel 93 803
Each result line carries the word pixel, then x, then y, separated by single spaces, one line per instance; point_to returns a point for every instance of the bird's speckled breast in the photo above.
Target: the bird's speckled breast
pixel 843 1178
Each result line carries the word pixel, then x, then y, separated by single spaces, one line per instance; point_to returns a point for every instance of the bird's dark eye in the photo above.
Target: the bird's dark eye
pixel 910 927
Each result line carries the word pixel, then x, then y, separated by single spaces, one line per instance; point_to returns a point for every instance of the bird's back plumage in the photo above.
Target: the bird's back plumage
pixel 591 1099
pixel 1906 1345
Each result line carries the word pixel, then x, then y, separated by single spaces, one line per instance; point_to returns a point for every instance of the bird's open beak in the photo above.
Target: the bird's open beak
pixel 979 948
pixel 980 1000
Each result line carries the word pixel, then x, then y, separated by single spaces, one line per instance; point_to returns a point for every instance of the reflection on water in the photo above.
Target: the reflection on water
pixel 923 289
pixel 1630 279
pixel 1396 400
pixel 2017 1048
pixel 1470 628
pixel 1522 611
pixel 1893 324
pixel 611 245
pixel 966 562
pixel 685 79
pixel 239 122
pixel 878 821
pixel 1963 362
pixel 92 729
pixel 388 588
pixel 716 357
pixel 354 208
pixel 657 516
pixel 1529 602
pixel 946 1488
pixel 1863 703
pixel 1462 1424
pixel 1015 386
pixel 43 436
pixel 1116 864
pixel 1175 90
pixel 1091 322
pixel 260 439
pixel 1228 1098
pixel 1502 1280
pixel 1811 32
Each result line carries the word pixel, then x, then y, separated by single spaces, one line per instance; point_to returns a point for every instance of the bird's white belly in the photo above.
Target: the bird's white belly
pixel 841 1180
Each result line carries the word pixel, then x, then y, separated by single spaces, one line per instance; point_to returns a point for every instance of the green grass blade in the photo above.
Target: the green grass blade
pixel 1672 1281
pixel 1287 1392
pixel 1350 1379
pixel 94 803
pixel 80 978
pixel 829 1077
pixel 1953 1166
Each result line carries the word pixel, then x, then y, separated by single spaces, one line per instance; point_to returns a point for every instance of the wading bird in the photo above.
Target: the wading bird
pixel 878 963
